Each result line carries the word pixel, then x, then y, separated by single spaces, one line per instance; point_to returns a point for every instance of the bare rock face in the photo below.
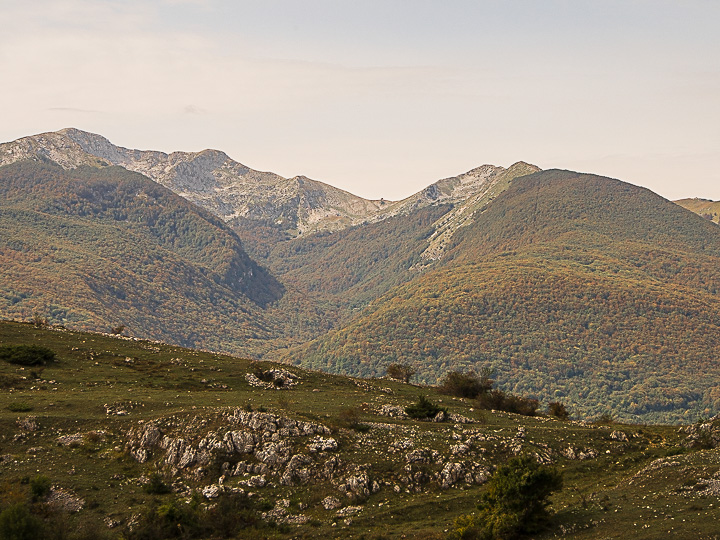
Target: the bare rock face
pixel 233 191
pixel 703 434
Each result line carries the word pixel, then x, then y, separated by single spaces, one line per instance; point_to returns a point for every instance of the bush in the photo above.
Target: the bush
pixel 514 503
pixel 467 385
pixel 17 523
pixel 424 408
pixel 40 487
pixel 156 485
pixel 558 410
pixel 499 400
pixel 401 372
pixel 350 418
pixel 230 514
pixel 26 355
pixel 20 406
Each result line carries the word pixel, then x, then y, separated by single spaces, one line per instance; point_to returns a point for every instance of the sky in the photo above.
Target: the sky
pixel 380 97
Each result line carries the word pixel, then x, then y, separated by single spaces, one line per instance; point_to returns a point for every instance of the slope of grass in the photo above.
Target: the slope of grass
pixel 618 490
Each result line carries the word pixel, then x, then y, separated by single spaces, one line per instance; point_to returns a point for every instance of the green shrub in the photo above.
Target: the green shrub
pixel 26 355
pixel 40 487
pixel 604 419
pixel 17 523
pixel 19 406
pixel 514 503
pixel 156 485
pixel 424 408
pixel 225 518
pixel 500 401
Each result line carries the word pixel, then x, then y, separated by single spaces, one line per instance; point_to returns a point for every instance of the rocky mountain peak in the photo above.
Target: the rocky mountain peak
pixel 231 190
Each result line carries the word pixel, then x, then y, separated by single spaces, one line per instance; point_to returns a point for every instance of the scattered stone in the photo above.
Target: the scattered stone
pixel 318 444
pixel 111 523
pixel 28 424
pixel 395 411
pixel 331 503
pixel 73 440
pixel 349 511
pixel 65 500
pixel 212 491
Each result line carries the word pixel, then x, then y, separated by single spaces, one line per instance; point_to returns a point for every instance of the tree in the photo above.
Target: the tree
pixel 424 408
pixel 558 410
pixel 401 372
pixel 467 385
pixel 514 503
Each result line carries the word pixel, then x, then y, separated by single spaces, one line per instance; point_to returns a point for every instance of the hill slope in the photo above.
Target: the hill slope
pixel 573 287
pixel 115 436
pixel 96 248
pixel 708 209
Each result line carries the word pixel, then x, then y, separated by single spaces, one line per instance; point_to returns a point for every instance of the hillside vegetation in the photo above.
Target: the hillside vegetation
pixel 706 208
pixel 98 248
pixel 572 287
pixel 120 438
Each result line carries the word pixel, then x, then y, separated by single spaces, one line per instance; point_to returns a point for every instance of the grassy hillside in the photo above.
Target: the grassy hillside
pixel 96 248
pixel 119 438
pixel 572 287
pixel 706 208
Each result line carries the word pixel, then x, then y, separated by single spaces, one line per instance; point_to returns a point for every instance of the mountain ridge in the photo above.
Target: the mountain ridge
pixel 232 191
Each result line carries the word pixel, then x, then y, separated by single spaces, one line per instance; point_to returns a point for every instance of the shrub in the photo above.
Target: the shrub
pixel 40 487
pixel 20 406
pixel 350 418
pixel 230 514
pixel 514 503
pixel 156 485
pixel 424 408
pixel 558 410
pixel 17 523
pixel 26 355
pixel 39 321
pixel 499 400
pixel 467 385
pixel 117 330
pixel 402 372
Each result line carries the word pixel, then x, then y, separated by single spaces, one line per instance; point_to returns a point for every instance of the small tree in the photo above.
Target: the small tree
pixel 18 523
pixel 424 408
pixel 467 385
pixel 514 503
pixel 117 330
pixel 39 321
pixel 402 372
pixel 558 410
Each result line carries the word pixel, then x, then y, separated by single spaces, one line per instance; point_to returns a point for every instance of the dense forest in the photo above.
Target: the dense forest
pixel 94 248
pixel 572 287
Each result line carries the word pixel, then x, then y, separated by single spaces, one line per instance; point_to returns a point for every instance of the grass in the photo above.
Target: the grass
pixel 151 380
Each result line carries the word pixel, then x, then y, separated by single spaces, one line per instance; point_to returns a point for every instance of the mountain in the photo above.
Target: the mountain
pixel 572 287
pixel 262 206
pixel 706 208
pixel 100 247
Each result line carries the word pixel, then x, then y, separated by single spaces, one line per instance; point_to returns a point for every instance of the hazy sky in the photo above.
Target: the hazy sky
pixel 380 98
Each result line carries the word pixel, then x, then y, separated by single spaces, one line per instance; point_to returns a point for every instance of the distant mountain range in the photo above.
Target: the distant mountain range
pixel 572 287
